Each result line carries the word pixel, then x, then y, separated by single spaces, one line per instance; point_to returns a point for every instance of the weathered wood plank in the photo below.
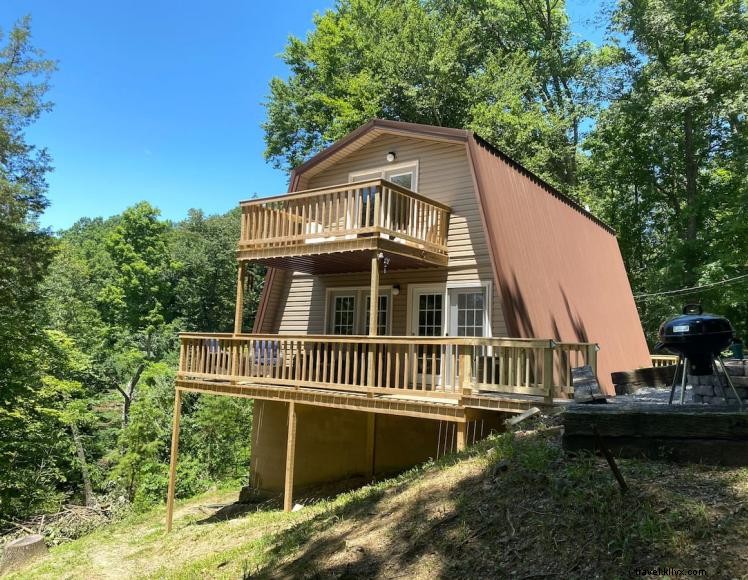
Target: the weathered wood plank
pixel 586 387
pixel 693 450
pixel 656 421
pixel 627 382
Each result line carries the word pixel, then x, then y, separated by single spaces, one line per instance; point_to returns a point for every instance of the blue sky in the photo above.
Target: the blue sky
pixel 161 100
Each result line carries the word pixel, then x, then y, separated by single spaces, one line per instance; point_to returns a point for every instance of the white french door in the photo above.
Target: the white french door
pixel 428 320
pixel 468 316
pixel 462 312
pixel 467 312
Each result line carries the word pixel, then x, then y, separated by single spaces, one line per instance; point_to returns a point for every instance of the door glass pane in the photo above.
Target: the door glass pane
pixel 430 315
pixel 470 313
pixel 402 179
pixel 430 318
pixel 344 315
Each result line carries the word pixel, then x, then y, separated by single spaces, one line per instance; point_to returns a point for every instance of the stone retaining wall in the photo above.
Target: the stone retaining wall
pixel 715 390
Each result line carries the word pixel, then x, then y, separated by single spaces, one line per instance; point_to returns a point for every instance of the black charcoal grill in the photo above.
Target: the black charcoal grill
pixel 698 338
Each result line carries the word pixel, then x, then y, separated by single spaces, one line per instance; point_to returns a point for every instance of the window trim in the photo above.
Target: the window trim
pixel 406 166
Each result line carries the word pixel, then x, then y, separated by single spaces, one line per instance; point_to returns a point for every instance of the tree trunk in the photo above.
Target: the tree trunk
pixel 126 410
pixel 21 552
pixel 81 452
pixel 129 394
pixel 692 171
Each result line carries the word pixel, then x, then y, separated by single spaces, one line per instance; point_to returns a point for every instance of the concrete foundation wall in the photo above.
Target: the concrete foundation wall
pixel 331 444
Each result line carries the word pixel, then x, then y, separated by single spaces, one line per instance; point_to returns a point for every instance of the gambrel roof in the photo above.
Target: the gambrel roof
pixel 558 268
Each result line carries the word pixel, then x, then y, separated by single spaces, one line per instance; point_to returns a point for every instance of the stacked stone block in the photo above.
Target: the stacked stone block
pixel 714 390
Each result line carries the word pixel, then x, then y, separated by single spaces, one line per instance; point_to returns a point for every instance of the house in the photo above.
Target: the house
pixel 421 284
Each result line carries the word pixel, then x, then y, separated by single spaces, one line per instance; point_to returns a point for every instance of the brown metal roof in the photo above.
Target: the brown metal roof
pixel 558 267
pixel 560 275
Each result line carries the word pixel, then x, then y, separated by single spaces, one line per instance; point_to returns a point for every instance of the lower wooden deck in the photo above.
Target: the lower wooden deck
pixel 409 405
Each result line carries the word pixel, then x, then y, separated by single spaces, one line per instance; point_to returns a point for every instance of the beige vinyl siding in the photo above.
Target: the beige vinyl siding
pixel 278 290
pixel 301 305
pixel 444 175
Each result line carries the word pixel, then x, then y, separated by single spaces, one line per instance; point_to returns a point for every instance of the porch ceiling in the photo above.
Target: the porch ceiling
pixel 343 256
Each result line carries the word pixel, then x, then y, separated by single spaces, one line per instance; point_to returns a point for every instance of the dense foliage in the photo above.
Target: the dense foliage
pixel 509 69
pixel 28 427
pixel 88 328
pixel 114 297
pixel 648 129
pixel 669 156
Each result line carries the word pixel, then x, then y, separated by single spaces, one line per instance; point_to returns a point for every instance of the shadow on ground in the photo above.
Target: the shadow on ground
pixel 520 508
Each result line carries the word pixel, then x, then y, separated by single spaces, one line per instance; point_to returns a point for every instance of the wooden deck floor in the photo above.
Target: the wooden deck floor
pixel 411 405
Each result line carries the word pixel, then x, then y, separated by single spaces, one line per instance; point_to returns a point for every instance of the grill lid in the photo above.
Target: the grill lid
pixel 695 323
pixel 696 335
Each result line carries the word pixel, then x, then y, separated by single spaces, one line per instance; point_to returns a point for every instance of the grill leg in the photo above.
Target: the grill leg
pixel 729 382
pixel 675 380
pixel 716 373
pixel 683 381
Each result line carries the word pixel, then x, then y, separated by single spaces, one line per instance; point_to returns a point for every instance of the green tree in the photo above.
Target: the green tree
pixel 669 156
pixel 68 375
pixel 70 296
pixel 137 301
pixel 506 68
pixel 25 251
pixel 139 295
pixel 536 89
pixel 206 290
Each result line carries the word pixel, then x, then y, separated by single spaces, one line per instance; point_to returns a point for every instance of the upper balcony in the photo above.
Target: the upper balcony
pixel 325 230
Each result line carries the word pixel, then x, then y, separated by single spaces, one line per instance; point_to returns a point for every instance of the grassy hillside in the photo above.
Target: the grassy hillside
pixel 512 506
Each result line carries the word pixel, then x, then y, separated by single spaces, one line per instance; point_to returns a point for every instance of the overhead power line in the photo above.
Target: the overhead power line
pixel 692 289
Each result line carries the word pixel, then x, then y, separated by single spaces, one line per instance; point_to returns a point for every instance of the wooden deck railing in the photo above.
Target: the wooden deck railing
pixel 423 366
pixel 663 360
pixel 344 212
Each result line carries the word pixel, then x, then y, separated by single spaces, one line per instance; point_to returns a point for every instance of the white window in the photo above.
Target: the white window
pixel 344 314
pixel 403 174
pixel 348 311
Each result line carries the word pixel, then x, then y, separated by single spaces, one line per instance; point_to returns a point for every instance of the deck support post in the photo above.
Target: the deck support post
pixel 548 374
pixel 173 458
pixel 461 436
pixel 239 314
pixel 373 316
pixel 290 457
pixel 371 418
